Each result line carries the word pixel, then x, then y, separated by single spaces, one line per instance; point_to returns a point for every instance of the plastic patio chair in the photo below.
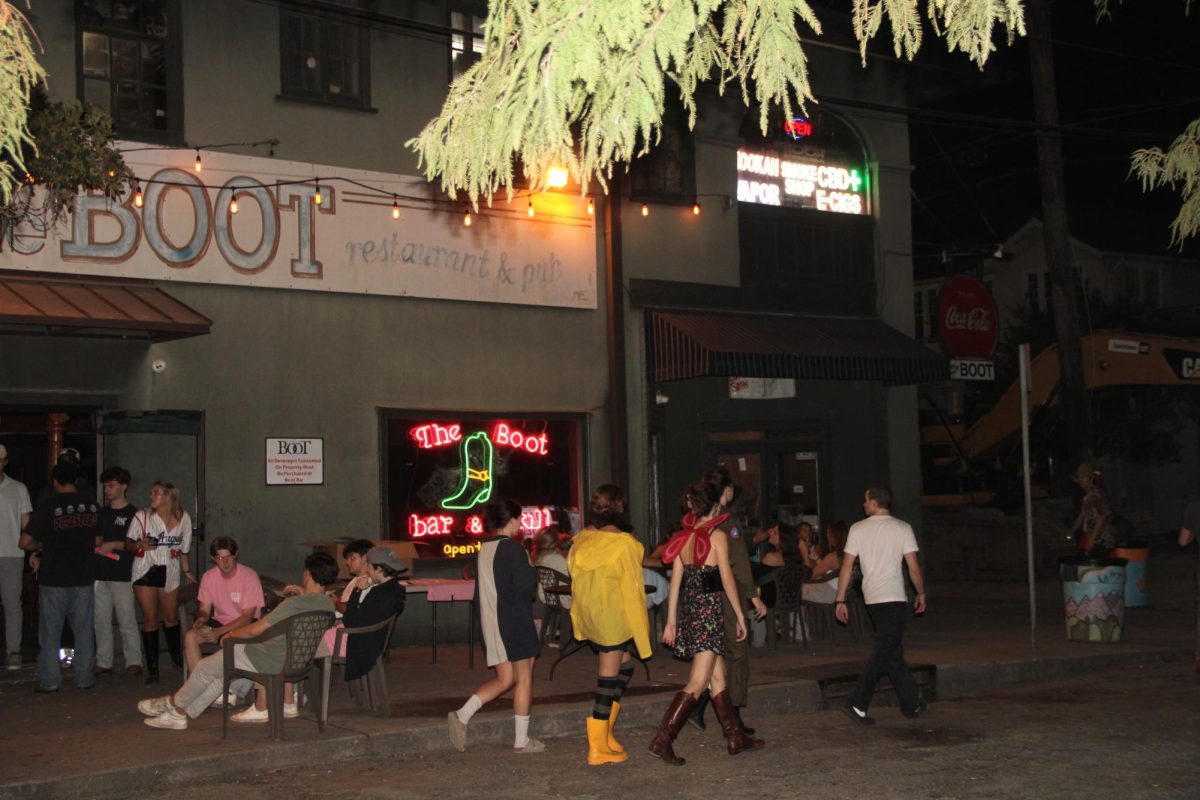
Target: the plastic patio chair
pixel 373 684
pixel 552 624
pixel 302 634
pixel 788 586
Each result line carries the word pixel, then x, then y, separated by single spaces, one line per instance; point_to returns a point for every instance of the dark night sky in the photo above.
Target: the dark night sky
pixel 975 182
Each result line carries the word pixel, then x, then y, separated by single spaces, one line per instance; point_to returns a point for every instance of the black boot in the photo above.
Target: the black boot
pixel 746 729
pixel 150 650
pixel 696 718
pixel 171 634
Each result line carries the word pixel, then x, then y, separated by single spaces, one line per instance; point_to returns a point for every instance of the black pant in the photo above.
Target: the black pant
pixel 887 657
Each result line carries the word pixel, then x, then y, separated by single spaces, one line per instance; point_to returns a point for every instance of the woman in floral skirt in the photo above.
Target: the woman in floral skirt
pixel 700 572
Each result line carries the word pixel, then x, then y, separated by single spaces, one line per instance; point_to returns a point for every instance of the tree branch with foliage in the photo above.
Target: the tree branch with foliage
pixel 20 72
pixel 583 83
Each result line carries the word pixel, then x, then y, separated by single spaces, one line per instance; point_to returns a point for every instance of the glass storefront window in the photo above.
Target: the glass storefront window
pixel 441 471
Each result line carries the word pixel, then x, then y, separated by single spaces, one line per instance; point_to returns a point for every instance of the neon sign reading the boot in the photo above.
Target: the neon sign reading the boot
pixel 507 437
pixel 434 435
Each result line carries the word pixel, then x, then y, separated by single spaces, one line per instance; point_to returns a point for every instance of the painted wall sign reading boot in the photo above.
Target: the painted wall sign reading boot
pixel 280 236
pixel 295 462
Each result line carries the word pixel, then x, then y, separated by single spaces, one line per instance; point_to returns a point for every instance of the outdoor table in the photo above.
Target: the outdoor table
pixel 575 645
pixel 446 590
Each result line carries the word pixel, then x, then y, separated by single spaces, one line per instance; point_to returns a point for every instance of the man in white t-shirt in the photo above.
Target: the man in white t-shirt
pixel 14 516
pixel 883 544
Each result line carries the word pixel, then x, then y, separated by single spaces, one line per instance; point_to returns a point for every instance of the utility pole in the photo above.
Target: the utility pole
pixel 1072 400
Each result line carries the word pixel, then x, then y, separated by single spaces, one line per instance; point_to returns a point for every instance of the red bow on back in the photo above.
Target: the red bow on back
pixel 691 527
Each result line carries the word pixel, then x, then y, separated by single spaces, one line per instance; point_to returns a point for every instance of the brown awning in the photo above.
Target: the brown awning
pixel 695 344
pixel 60 305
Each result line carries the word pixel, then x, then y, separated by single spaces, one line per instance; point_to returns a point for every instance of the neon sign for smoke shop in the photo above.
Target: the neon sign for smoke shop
pixel 777 179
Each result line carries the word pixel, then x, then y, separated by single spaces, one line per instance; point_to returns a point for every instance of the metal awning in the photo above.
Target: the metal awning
pixel 694 344
pixel 33 303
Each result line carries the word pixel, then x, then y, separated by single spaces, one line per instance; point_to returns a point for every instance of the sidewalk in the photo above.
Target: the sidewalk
pixel 94 744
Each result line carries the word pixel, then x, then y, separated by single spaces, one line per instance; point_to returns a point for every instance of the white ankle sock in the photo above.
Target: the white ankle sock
pixel 468 709
pixel 522 731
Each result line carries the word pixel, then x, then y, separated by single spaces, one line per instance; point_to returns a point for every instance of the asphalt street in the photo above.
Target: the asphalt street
pixel 1116 734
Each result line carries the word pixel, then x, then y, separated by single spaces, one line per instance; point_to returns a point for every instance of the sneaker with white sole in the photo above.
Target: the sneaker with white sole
pixel 291 710
pixel 155 706
pixel 171 720
pixel 531 746
pixel 231 699
pixel 458 731
pixel 251 714
pixel 13 662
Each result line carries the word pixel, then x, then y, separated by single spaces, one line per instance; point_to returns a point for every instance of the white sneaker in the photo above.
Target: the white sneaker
pixel 291 710
pixel 251 714
pixel 171 720
pixel 13 662
pixel 458 732
pixel 532 746
pixel 231 699
pixel 155 706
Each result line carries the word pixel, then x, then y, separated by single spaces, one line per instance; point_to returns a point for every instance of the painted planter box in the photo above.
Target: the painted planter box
pixel 1095 605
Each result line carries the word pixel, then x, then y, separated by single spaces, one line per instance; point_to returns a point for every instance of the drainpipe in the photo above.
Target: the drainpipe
pixel 614 279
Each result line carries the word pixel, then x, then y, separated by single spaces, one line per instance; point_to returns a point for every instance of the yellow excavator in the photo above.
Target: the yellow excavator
pixel 1110 358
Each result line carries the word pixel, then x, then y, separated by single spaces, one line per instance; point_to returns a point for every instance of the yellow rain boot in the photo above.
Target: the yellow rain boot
pixel 598 752
pixel 613 744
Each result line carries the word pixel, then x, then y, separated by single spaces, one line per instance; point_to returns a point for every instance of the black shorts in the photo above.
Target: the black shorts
pixel 155 578
pixel 610 648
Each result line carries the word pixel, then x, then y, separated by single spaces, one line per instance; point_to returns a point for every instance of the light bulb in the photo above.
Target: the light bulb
pixel 137 197
pixel 395 208
pixel 317 198
pixel 530 210
pixel 696 209
pixel 233 206
pixel 557 177
pixel 591 207
pixel 467 218
pixel 199 165
pixel 645 210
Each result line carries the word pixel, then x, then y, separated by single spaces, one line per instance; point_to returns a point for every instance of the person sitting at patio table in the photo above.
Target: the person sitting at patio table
pixel 203 686
pixel 230 597
pixel 825 591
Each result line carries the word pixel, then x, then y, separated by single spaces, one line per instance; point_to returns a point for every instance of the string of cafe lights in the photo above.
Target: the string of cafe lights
pixel 557 179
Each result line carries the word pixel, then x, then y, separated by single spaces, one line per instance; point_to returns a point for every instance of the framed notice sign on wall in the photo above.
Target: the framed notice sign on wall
pixel 295 462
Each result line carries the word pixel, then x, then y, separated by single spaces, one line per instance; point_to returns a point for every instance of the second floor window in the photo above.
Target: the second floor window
pixel 324 58
pixel 466 41
pixel 130 66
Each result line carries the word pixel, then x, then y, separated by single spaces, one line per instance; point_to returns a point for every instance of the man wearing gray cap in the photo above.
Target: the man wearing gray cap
pixel 15 509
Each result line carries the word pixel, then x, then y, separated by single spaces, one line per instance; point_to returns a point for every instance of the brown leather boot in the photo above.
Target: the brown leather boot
pixel 732 726
pixel 668 729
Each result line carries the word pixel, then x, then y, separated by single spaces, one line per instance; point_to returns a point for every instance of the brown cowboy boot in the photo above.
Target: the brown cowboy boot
pixel 672 721
pixel 732 726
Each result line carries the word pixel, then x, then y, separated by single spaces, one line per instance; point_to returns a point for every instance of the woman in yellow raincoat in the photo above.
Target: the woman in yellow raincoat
pixel 608 609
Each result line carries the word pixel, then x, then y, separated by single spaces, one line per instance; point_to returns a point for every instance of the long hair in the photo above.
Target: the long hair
pixel 547 541
pixel 788 547
pixel 835 537
pixel 173 500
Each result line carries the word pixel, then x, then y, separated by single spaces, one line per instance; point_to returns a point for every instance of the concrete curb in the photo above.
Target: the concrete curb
pixel 549 721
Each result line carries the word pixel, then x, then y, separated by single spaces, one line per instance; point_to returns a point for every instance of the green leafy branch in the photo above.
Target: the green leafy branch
pixel 1177 167
pixel 20 72
pixel 583 83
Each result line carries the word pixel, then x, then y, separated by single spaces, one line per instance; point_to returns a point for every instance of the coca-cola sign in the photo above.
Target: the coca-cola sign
pixel 967 318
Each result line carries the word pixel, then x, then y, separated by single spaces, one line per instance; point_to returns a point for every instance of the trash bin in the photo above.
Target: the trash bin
pixel 1094 598
pixel 1137 554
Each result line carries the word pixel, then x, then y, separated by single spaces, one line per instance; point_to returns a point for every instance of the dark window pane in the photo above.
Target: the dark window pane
pixel 157 98
pixel 96 12
pixel 126 112
pixel 99 94
pixel 95 55
pixel 125 14
pixel 154 63
pixel 154 18
pixel 126 59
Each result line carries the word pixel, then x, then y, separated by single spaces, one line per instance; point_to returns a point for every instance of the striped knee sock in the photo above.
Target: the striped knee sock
pixel 623 678
pixel 607 690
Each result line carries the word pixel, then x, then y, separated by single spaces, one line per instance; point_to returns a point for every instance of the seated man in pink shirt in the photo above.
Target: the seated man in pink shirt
pixel 231 597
